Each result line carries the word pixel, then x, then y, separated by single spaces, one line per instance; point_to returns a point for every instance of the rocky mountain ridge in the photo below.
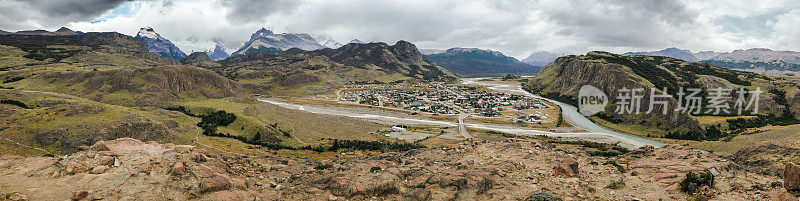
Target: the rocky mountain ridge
pixel 474 61
pixel 217 53
pixel 749 59
pixel 159 45
pixel 264 39
pixel 562 79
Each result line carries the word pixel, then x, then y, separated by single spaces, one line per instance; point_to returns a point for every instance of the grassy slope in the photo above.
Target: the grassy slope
pixel 66 106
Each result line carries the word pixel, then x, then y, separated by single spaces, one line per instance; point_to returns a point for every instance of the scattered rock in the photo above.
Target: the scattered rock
pixel 17 197
pixel 145 168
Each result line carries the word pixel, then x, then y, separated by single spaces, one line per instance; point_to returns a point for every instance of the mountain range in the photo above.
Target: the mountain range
pixel 563 79
pixel 541 58
pixel 217 53
pixel 327 42
pixel 159 45
pixel 265 40
pixel 759 59
pixel 474 61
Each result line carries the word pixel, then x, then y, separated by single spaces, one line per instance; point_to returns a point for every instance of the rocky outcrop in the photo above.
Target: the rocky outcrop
pixel 791 177
pixel 474 170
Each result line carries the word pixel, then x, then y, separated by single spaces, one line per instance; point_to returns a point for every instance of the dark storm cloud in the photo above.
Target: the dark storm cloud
pixel 622 23
pixel 30 14
pixel 255 10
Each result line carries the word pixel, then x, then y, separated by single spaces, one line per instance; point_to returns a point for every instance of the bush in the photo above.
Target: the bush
pixel 616 184
pixel 14 102
pixel 323 166
pixel 13 79
pixel 542 196
pixel 693 182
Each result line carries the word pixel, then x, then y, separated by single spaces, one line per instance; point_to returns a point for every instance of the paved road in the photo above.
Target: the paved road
pixel 461 127
pixel 570 113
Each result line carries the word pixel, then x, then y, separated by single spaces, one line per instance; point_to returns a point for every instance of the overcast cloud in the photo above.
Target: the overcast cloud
pixel 516 28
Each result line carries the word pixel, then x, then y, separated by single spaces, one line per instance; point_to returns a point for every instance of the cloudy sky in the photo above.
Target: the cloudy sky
pixel 514 27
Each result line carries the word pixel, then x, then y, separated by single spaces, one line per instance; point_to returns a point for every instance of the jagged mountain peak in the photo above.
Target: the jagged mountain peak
pixel 217 53
pixel 266 40
pixel 148 32
pixel 159 45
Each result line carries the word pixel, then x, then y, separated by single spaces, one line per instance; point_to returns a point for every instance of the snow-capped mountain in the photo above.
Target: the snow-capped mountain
pixel 265 40
pixel 356 41
pixel 217 53
pixel 159 45
pixel 328 42
pixel 541 58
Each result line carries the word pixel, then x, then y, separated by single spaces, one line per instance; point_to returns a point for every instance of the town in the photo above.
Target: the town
pixel 442 99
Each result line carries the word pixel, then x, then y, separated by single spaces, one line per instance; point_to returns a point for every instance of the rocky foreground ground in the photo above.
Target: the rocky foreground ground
pixel 129 169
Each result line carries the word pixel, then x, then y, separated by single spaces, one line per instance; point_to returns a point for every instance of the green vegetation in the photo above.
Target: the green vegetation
pixel 542 196
pixel 13 79
pixel 693 182
pixel 616 184
pixel 323 166
pixel 14 102
pixel 751 65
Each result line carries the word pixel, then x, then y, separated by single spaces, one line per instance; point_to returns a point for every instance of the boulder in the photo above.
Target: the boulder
pixel 791 177
pixel 568 167
pixel 107 160
pixel 80 195
pixel 179 168
pixel 73 168
pixel 100 169
pixel 100 146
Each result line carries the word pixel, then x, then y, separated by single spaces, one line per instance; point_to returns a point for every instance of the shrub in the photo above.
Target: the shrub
pixel 693 182
pixel 542 196
pixel 14 102
pixel 616 184
pixel 323 166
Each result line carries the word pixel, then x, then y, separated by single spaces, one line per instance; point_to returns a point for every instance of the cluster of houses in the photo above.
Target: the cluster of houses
pixel 445 99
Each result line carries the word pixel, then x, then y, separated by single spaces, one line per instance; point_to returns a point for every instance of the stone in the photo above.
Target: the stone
pixel 791 177
pixel 213 184
pixel 74 168
pixel 80 195
pixel 100 146
pixel 179 168
pixel 100 169
pixel 107 160
pixel 568 167
pixel 17 197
